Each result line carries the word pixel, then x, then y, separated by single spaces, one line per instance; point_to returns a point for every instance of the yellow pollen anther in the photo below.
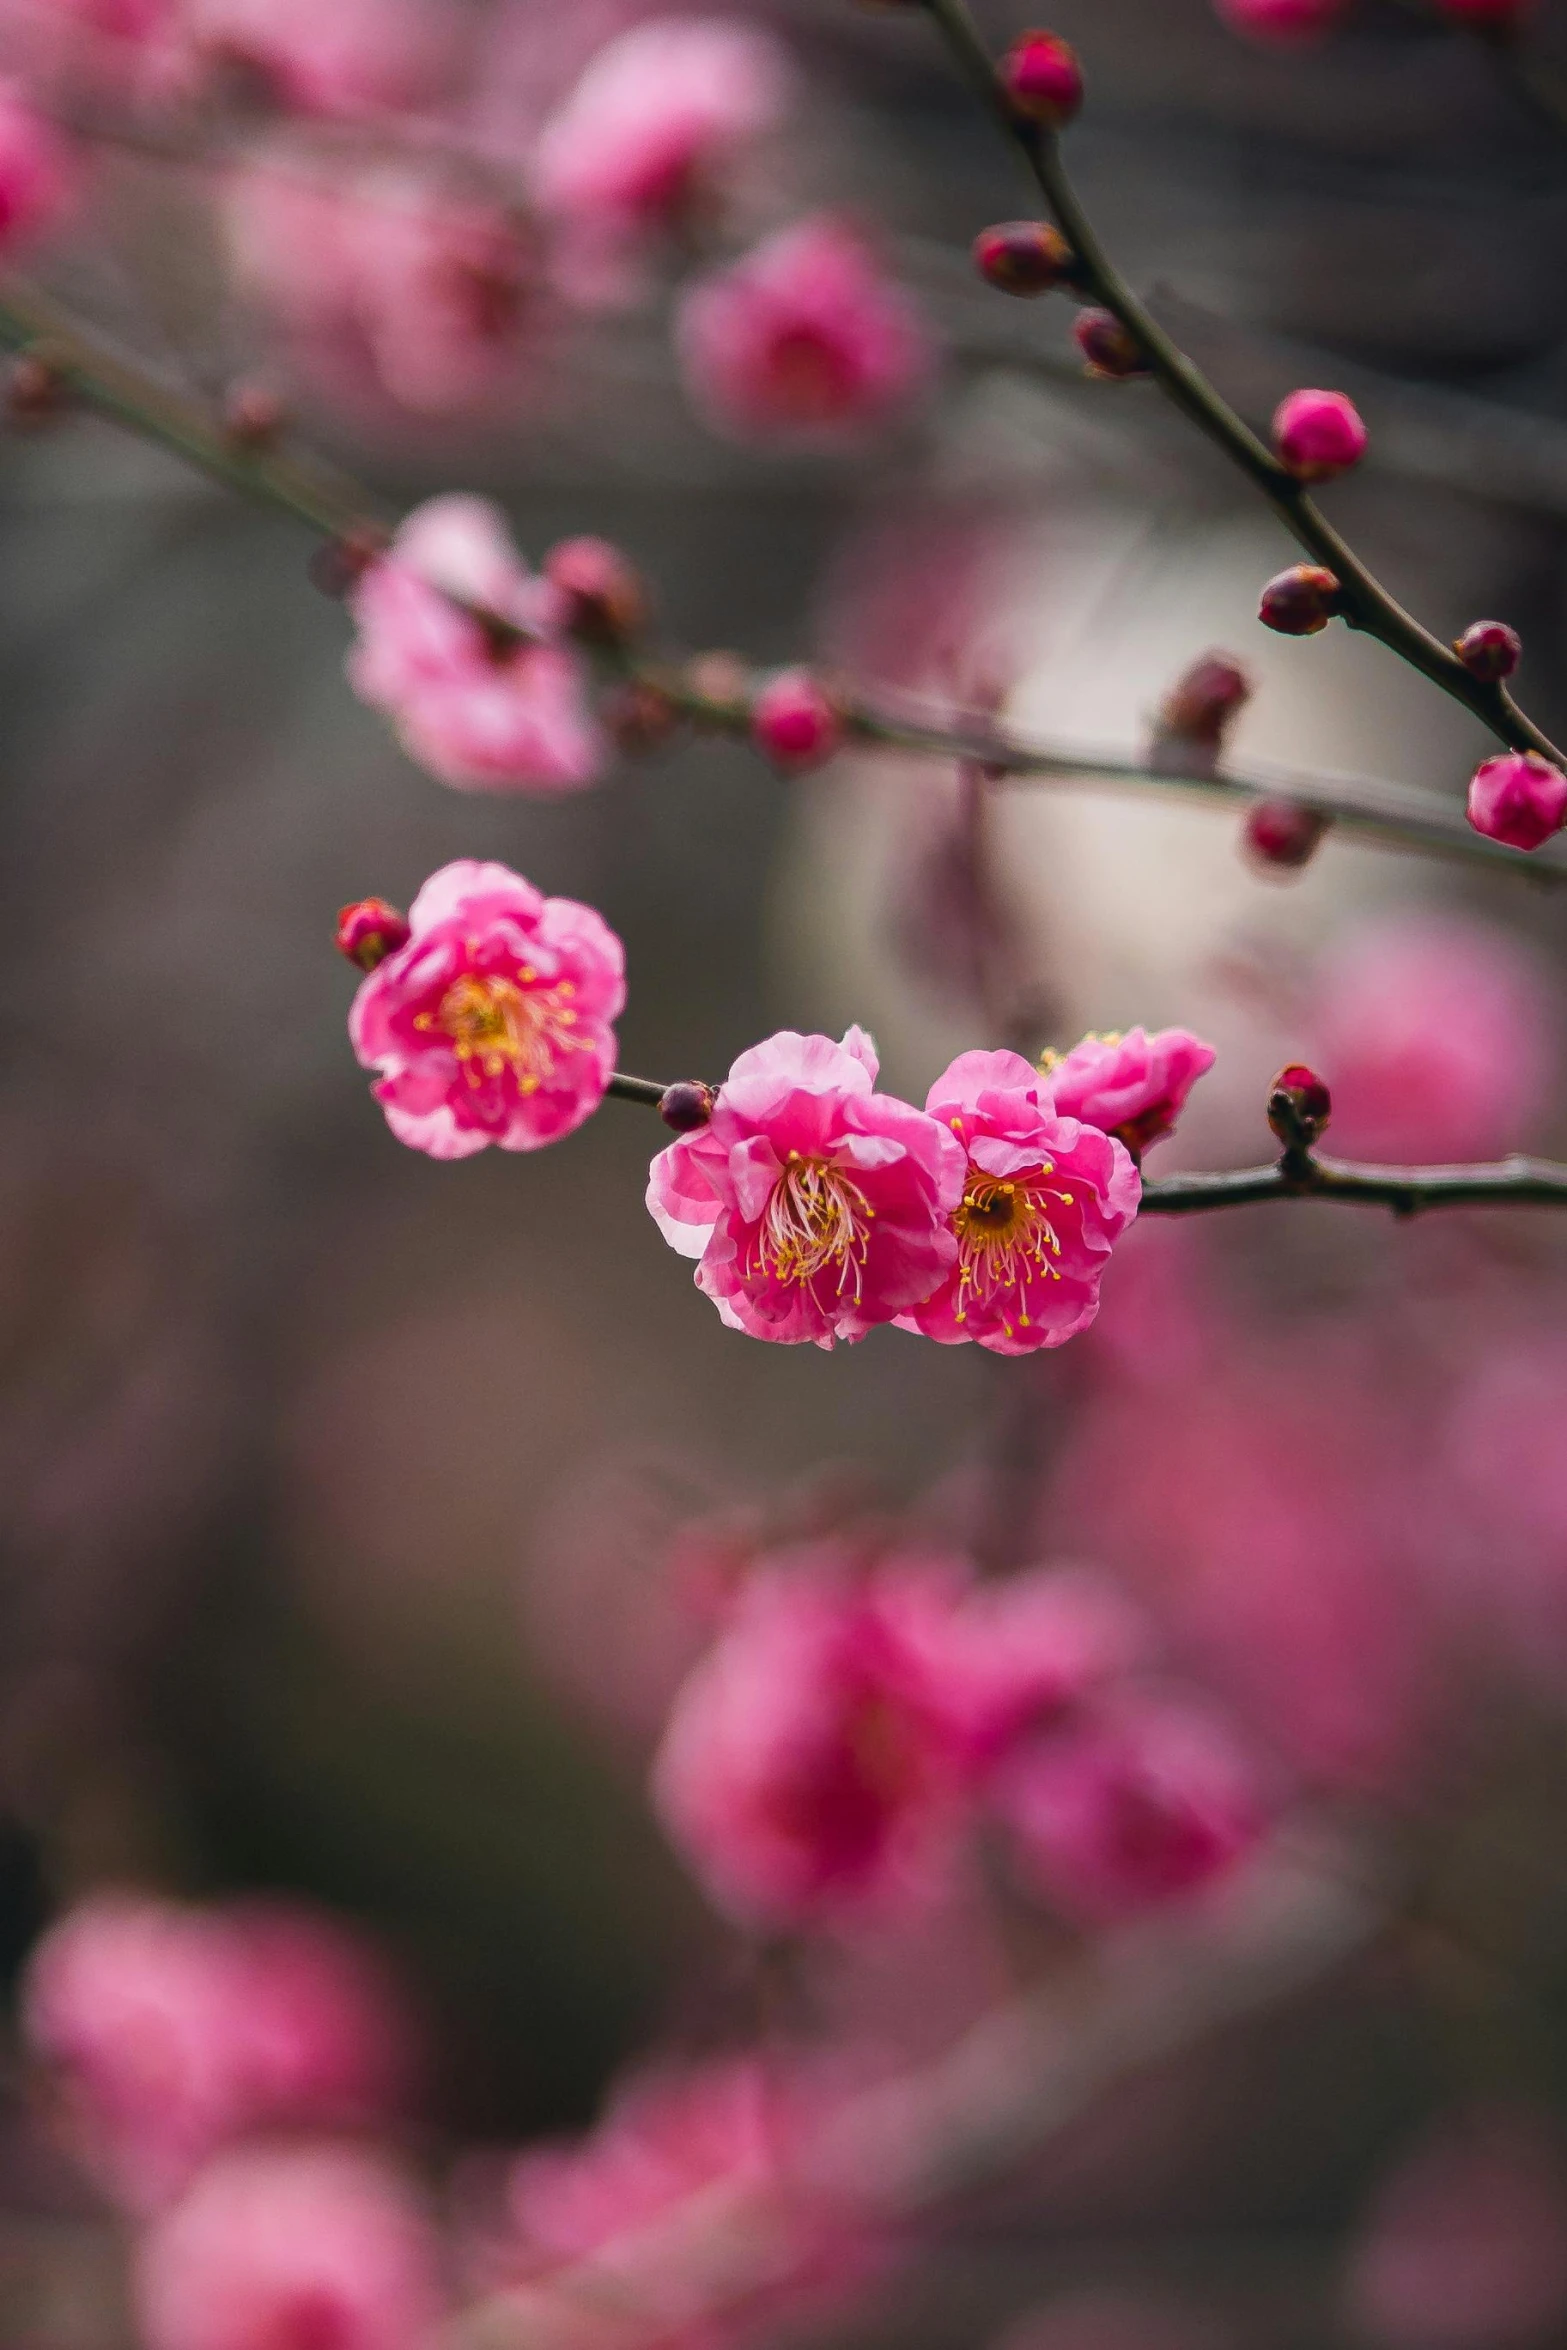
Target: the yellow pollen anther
pixel 814 1223
pixel 1005 1236
pixel 496 1025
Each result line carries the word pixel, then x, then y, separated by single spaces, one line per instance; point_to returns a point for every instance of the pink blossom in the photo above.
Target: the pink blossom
pixel 169 2029
pixel 493 1023
pixel 659 115
pixel 1436 1035
pixel 1132 1087
pixel 805 338
pixel 817 1206
pixel 350 58
pixel 1519 799
pixel 482 710
pixel 811 1770
pixel 1023 1653
pixel 1465 2244
pixel 1138 1805
pixel 37 172
pixel 314 2247
pixel 1044 1200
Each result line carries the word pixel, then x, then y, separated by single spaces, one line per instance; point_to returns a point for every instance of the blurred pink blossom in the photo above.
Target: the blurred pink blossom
pixel 1025 1651
pixel 311 2247
pixel 483 709
pixel 352 57
pixel 169 2029
pixel 1133 1086
pixel 805 338
pixel 37 170
pixel 1503 1498
pixel 1465 2244
pixel 492 1025
pixel 1044 1200
pixel 1286 22
pixel 817 1206
pixel 1437 1038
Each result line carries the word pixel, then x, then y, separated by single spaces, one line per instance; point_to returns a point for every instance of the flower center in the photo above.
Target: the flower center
pixel 815 1222
pixel 496 1026
pixel 1005 1236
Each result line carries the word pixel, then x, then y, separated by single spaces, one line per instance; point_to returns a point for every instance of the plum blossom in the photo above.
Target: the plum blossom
pixel 492 1024
pixel 291 2248
pixel 355 57
pixel 483 708
pixel 37 172
pixel 1132 1087
pixel 168 2029
pixel 812 1768
pixel 817 1206
pixel 805 338
pixel 1025 1652
pixel 1044 1200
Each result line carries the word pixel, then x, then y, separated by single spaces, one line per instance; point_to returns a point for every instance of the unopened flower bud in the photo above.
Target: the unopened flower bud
pixel 37 389
pixel 605 602
pixel 1489 650
pixel 1519 799
pixel 687 1105
pixel 370 930
pixel 339 564
pixel 1299 601
pixel 794 722
pixel 1024 257
pixel 1110 349
pixel 1041 76
pixel 1203 701
pixel 1318 434
pixel 1279 836
pixel 639 715
pixel 253 416
pixel 1299 1106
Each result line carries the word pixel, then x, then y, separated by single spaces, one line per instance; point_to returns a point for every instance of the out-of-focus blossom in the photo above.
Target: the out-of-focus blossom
pixel 456 645
pixel 390 278
pixel 794 722
pixel 313 2247
pixel 169 2029
pixel 811 1769
pixel 1025 1651
pixel 1465 2244
pixel 804 339
pixel 817 1206
pixel 1045 1197
pixel 492 1024
pixel 37 173
pixel 1505 1494
pixel 1519 799
pixel 353 57
pixel 1437 1038
pixel 1287 22
pixel 1133 1087
pixel 660 115
pixel 1138 1805
pixel 1318 435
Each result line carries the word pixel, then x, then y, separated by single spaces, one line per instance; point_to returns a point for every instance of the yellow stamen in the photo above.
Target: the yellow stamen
pixel 498 1024
pixel 1005 1236
pixel 815 1222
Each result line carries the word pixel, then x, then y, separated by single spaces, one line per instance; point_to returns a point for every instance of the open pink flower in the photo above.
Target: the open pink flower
pixel 1133 1086
pixel 1044 1200
pixel 482 708
pixel 660 112
pixel 493 1023
pixel 168 2029
pixel 291 2248
pixel 812 1768
pixel 818 1207
pixel 805 338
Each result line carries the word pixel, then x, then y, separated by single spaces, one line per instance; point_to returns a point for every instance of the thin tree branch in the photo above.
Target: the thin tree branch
pixel 1365 603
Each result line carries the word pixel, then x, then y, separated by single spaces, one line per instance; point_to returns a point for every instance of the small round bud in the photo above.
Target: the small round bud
pixel 1299 1106
pixel 1489 650
pixel 686 1106
pixel 1318 435
pixel 1279 836
pixel 604 600
pixel 1024 257
pixel 1109 348
pixel 639 715
pixel 1299 601
pixel 370 930
pixel 1041 76
pixel 339 564
pixel 794 722
pixel 1519 799
pixel 37 389
pixel 253 416
pixel 1203 702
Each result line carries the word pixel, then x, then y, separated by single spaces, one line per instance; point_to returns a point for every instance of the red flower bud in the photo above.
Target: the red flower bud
pixel 1299 601
pixel 1299 1106
pixel 604 599
pixel 369 931
pixel 1108 347
pixel 1318 434
pixel 1489 650
pixel 1024 257
pixel 794 722
pixel 1201 704
pixel 1041 76
pixel 1519 799
pixel 1279 836
pixel 687 1105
